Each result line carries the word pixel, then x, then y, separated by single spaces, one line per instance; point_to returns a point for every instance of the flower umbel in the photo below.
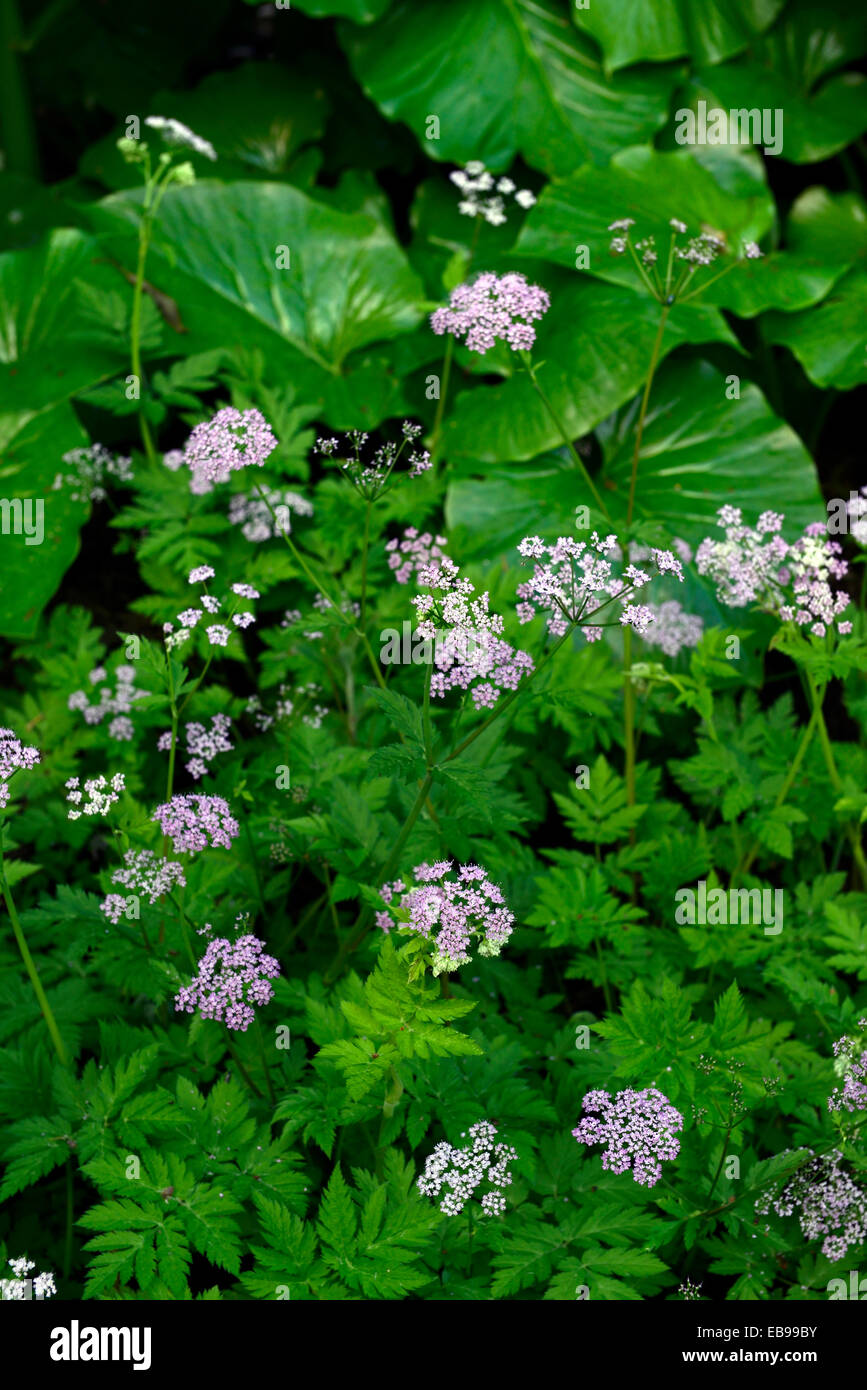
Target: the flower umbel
pixel 827 1202
pixel 144 873
pixel 493 308
pixel 453 912
pixel 681 260
pixel 484 195
pixel 232 439
pixel 178 135
pixel 851 1063
pixel 99 799
pixel 195 822
pixel 469 653
pixel 791 581
pixel 463 1171
pixel 15 756
pixel 637 1128
pixel 374 478
pixel 91 467
pixel 577 580
pixel 233 978
pixel 15 1289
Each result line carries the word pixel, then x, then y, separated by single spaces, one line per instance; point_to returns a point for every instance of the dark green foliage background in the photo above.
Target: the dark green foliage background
pixel 321 118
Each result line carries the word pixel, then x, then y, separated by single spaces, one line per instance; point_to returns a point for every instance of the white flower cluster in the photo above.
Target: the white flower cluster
pixel 119 703
pixel 474 181
pixel 304 705
pixel 91 466
pixel 176 134
pixel 461 1171
pixel 16 1289
pixel 218 634
pixel 262 518
pixel 99 801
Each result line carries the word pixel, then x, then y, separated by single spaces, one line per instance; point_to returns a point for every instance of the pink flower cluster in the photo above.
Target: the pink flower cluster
pixel 469 653
pixel 195 822
pixel 413 553
pixel 451 912
pixel 576 581
pixel 852 1056
pixel 203 744
pixel 637 1128
pixel 492 308
pixel 828 1203
pixel 232 978
pixel 145 873
pixel 232 439
pixel 673 628
pixel 791 581
pixel 15 756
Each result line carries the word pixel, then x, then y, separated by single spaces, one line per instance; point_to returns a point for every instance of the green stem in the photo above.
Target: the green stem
pixel 426 724
pixel 70 1220
pixel 354 941
pixel 654 358
pixel 29 963
pixel 241 1068
pixel 512 697
pixel 135 330
pixel 606 988
pixel 852 831
pixel 744 866
pixel 253 860
pixel 265 1067
pixel 561 429
pixel 628 718
pixel 470 1242
pixel 441 403
pixel 721 1160
pixel 365 545
pixel 16 118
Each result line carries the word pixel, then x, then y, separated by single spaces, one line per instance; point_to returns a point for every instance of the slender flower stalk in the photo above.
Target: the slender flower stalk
pixel 29 964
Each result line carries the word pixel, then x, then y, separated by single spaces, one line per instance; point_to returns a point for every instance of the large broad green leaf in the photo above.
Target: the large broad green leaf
pixel 347 284
pixel 814 125
pixel 488 516
pixel 789 69
pixel 811 40
pixel 722 190
pixel 503 77
pixel 257 117
pixel 31 573
pixel 832 226
pixel 64 324
pixel 829 339
pixel 633 31
pixel 595 343
pixel 700 450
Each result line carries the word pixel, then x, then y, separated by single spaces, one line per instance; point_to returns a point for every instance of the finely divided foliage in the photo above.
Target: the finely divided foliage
pixel 432 762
